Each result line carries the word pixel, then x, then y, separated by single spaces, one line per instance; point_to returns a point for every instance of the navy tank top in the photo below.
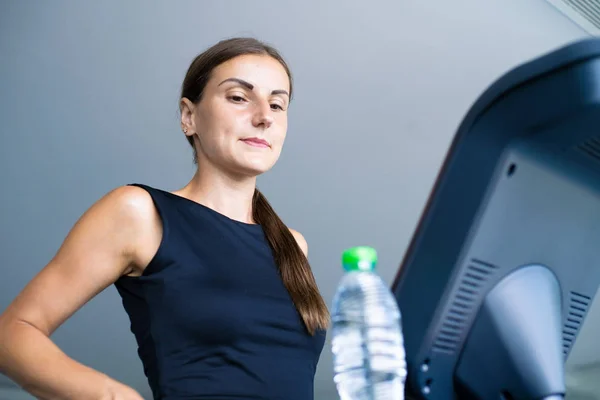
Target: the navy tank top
pixel 210 314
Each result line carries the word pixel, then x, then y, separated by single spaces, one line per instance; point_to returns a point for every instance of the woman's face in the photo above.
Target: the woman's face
pixel 240 122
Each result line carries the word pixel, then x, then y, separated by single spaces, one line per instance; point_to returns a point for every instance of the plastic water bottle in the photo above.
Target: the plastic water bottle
pixel 367 342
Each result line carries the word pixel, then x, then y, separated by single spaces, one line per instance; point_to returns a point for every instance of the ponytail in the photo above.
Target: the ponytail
pixel 293 266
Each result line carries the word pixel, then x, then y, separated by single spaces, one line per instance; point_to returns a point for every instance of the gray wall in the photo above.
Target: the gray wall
pixel 88 101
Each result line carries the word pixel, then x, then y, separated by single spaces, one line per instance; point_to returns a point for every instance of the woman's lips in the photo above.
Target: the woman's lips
pixel 256 142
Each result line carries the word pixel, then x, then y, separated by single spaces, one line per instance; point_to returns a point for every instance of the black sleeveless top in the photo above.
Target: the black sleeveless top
pixel 211 315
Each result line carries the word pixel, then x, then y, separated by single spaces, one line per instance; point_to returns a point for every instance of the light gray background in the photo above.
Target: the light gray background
pixel 88 102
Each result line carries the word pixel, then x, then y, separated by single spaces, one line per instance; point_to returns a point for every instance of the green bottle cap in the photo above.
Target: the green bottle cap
pixel 361 258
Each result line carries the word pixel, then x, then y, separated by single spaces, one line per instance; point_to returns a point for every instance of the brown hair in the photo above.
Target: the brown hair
pixel 293 265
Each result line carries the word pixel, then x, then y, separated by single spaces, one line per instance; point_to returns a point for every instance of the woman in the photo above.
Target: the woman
pixel 221 298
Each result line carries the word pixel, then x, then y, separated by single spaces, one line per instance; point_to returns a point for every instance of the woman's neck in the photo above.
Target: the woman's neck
pixel 229 196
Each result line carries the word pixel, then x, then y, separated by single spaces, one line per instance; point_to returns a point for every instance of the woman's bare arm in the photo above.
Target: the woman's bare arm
pixel 114 237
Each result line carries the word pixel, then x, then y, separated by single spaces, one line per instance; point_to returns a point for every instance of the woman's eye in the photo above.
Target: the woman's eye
pixel 276 107
pixel 237 99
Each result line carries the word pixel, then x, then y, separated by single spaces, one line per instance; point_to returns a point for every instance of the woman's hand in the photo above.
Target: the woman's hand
pixel 118 391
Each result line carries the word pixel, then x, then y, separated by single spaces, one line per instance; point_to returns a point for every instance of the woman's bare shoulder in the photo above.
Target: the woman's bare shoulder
pixel 300 240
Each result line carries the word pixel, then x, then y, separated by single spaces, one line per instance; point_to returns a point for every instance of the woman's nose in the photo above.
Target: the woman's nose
pixel 263 116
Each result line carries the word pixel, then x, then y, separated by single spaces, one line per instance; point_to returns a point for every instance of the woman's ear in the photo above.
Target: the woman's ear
pixel 187 116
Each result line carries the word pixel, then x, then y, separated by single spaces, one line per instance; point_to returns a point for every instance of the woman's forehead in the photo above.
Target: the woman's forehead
pixel 261 71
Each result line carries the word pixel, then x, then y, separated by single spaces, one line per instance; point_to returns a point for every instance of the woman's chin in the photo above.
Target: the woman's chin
pixel 252 170
pixel 255 166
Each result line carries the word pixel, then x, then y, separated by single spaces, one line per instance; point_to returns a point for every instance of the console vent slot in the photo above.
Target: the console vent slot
pixel 578 306
pixel 590 147
pixel 462 306
pixel 585 13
